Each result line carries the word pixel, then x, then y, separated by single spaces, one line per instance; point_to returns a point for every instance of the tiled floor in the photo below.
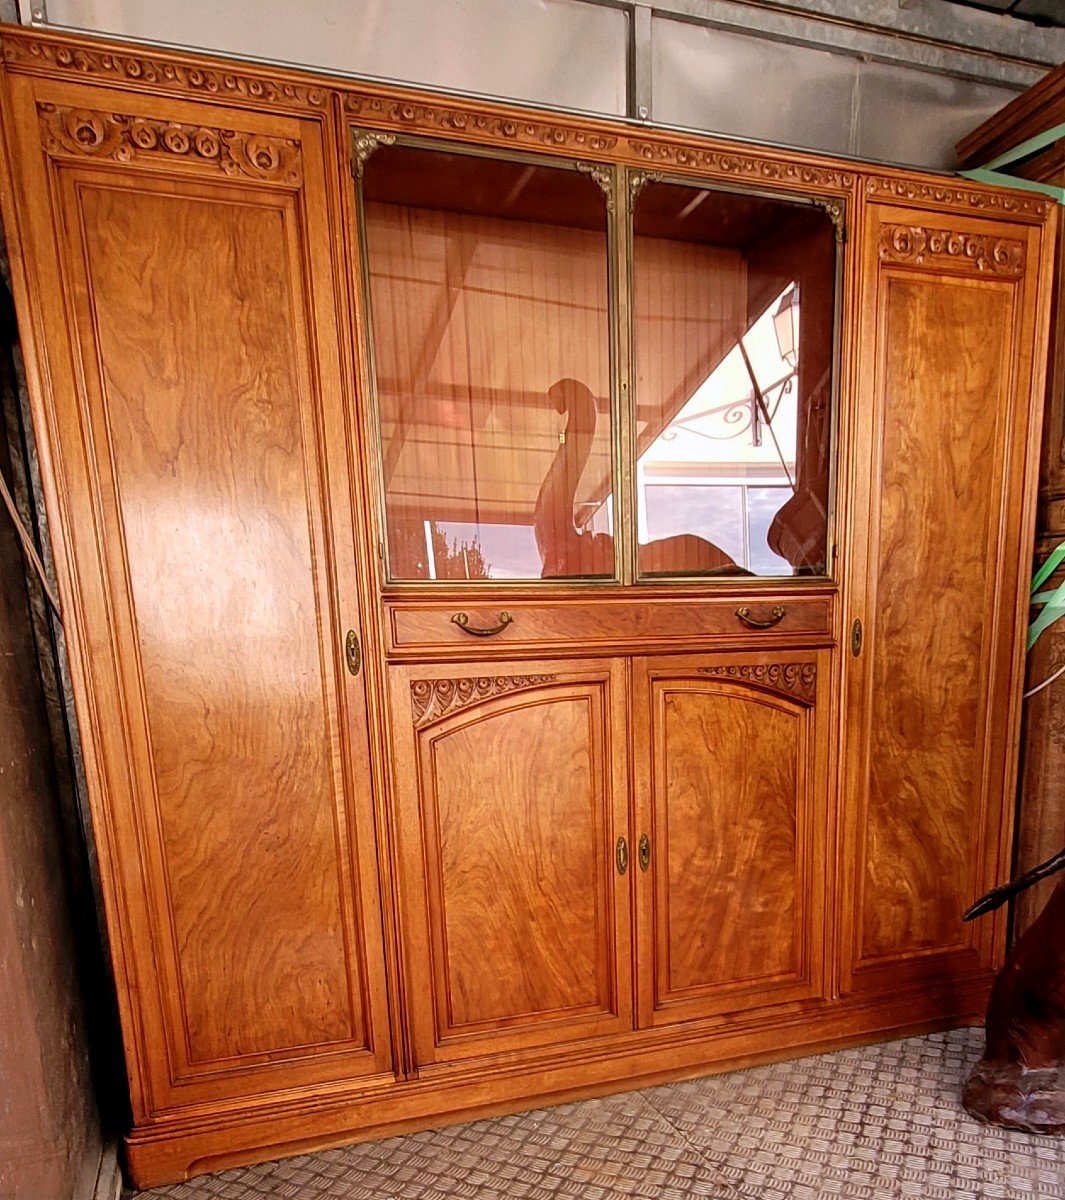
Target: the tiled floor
pixel 878 1123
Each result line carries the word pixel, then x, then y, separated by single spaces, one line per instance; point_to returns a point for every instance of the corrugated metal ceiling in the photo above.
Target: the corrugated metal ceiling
pixel 1041 12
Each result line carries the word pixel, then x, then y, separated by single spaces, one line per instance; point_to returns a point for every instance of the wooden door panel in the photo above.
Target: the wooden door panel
pixel 941 455
pixel 948 343
pixel 210 441
pixel 733 796
pixel 214 505
pixel 512 793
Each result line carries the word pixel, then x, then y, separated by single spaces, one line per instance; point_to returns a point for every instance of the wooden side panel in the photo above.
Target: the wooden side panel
pixel 948 355
pixel 733 802
pixel 512 796
pixel 204 433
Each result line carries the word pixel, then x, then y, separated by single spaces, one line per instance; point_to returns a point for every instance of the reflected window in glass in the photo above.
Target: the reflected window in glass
pixel 734 311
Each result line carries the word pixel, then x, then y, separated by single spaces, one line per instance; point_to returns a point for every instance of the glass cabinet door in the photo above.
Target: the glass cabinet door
pixel 733 319
pixel 488 285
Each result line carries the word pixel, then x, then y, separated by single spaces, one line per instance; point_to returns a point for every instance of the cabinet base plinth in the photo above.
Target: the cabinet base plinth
pixel 172 1149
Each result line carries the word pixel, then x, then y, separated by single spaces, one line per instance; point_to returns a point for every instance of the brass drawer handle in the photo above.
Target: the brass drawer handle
pixel 621 855
pixel 462 620
pixel 744 614
pixel 643 852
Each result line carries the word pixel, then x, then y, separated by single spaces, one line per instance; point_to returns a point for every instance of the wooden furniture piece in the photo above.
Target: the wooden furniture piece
pixel 1041 814
pixel 447 755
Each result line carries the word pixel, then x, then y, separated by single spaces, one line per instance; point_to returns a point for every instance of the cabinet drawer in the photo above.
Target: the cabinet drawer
pixel 556 625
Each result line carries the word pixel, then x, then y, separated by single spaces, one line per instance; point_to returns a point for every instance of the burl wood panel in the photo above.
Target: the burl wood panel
pixel 945 372
pixel 728 768
pixel 204 415
pixel 519 828
pixel 517 804
pixel 729 774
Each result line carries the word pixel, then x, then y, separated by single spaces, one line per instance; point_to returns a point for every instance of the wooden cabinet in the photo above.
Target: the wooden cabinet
pixel 544 598
pixel 733 804
pixel 512 801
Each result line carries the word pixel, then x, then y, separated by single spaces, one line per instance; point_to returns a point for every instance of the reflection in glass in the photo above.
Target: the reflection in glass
pixel 734 308
pixel 488 291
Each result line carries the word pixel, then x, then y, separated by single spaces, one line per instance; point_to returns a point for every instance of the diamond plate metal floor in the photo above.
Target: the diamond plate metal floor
pixel 876 1123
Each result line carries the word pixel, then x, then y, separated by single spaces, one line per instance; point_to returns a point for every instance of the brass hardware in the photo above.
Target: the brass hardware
pixel 643 852
pixel 638 180
pixel 837 215
pixel 462 620
pixel 604 176
pixel 856 638
pixel 744 614
pixel 621 855
pixel 353 652
pixel 363 144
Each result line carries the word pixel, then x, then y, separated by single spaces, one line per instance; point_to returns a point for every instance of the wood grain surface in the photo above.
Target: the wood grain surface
pixel 946 347
pixel 512 799
pixel 733 796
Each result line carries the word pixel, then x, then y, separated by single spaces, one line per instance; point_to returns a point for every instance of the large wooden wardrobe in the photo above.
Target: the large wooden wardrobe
pixel 545 596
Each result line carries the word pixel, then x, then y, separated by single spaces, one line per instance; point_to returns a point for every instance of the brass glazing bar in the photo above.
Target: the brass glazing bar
pixel 625 512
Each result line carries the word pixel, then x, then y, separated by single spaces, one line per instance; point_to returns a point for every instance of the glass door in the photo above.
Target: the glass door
pixel 733 314
pixel 488 283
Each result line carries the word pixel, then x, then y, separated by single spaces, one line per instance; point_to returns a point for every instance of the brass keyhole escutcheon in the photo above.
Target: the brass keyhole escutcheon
pixel 621 855
pixel 352 652
pixel 856 638
pixel 643 852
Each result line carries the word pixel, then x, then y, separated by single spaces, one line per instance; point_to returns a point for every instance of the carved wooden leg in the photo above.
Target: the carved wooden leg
pixel 1020 1081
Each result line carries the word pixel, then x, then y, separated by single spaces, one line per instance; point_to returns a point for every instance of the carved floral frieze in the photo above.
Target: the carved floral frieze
pixel 432 699
pixel 1022 204
pixel 789 679
pixel 81 132
pixel 920 245
pixel 743 166
pixel 452 118
pixel 107 66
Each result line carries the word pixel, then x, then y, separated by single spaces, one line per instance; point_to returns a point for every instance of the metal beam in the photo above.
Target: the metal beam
pixel 939 37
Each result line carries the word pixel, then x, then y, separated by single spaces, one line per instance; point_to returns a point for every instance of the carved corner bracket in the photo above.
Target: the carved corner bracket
pixel 639 179
pixel 432 699
pixel 365 142
pixel 797 680
pixel 837 214
pixel 604 176
pixel 82 132
pixel 917 245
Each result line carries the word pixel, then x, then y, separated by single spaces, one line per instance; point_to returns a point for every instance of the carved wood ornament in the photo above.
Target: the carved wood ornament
pixel 432 699
pixel 82 132
pixel 957 197
pixel 742 166
pixel 158 72
pixel 918 245
pixel 798 680
pixel 450 118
